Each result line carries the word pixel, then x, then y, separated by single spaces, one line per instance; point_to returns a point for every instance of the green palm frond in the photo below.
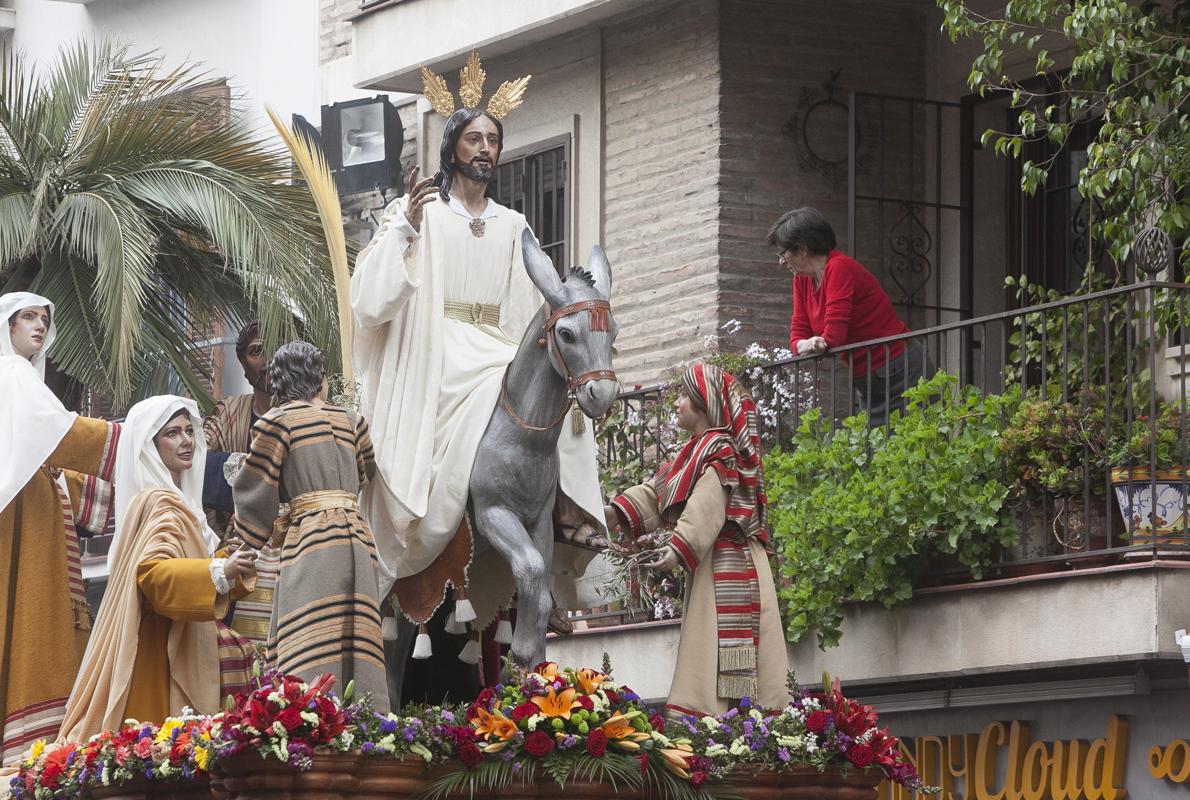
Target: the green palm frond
pixel 128 193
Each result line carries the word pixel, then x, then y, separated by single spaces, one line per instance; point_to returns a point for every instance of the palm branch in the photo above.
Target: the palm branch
pixel 146 210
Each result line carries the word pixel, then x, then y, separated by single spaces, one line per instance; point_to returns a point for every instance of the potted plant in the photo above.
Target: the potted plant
pixel 1053 450
pixel 557 731
pixel 404 753
pixel 822 745
pixel 1150 476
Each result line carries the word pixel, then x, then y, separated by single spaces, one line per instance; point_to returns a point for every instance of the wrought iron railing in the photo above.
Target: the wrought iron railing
pixel 1112 365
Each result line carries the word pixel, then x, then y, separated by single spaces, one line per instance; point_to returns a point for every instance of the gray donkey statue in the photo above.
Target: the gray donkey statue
pixel 565 353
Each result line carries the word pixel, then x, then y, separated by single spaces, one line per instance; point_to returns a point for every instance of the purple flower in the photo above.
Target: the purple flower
pixel 410 733
pixel 731 713
pixel 367 747
pixel 387 725
pixel 748 728
pixel 506 754
pixel 446 715
pixel 516 768
pixel 567 742
pixel 745 702
pixel 783 754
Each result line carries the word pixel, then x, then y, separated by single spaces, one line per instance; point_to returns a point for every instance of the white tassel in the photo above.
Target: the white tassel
pixel 422 648
pixel 464 611
pixel 504 632
pixel 454 626
pixel 470 652
pixel 388 629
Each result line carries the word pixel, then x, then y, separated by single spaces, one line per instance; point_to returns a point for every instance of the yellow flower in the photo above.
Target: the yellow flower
pixel 167 729
pixel 589 680
pixel 201 757
pixel 488 723
pixel 557 705
pixel 38 748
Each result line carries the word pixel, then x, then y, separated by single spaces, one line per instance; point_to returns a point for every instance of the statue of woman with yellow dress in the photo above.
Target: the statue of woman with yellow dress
pixel 157 646
pixel 44 617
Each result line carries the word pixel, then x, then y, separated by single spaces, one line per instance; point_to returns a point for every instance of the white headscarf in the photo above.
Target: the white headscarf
pixel 32 419
pixel 18 301
pixel 139 466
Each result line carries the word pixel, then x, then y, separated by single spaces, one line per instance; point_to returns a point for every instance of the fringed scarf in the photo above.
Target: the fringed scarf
pixel 731 447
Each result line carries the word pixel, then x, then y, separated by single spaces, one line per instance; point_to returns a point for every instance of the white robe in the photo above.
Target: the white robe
pixel 429 384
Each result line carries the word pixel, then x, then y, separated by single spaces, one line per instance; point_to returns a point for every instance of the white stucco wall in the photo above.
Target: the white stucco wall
pixel 266 49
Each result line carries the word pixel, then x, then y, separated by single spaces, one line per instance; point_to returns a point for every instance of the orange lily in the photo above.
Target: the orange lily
pixel 676 760
pixel 549 672
pixel 589 680
pixel 493 723
pixel 619 730
pixel 554 704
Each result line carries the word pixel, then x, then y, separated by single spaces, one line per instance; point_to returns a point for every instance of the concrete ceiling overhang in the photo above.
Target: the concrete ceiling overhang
pixel 392 39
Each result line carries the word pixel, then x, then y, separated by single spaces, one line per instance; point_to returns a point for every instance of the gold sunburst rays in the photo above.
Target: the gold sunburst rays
pixel 505 100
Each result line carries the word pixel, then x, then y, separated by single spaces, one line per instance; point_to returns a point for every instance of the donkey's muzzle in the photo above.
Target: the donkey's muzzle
pixel 595 397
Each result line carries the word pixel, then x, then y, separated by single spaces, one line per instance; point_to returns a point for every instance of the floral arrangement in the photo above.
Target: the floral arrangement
pixel 432 733
pixel 287 719
pixel 567 724
pixel 179 749
pixel 819 729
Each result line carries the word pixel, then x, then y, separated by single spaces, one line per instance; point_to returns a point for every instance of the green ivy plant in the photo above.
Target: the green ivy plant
pixel 1056 447
pixel 857 512
pixel 1128 79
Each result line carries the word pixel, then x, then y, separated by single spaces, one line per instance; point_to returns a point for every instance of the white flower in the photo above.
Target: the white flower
pixel 278 698
pixel 810 742
pixel 533 720
pixel 787 741
pixel 279 729
pixel 310 716
pixel 716 750
pixel 731 327
pixel 711 723
pixel 739 748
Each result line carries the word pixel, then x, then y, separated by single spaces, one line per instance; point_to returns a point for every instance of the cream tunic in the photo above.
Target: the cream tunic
pixel 429 383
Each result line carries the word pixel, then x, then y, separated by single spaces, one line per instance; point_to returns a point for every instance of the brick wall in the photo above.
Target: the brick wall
pixel 334 31
pixel 661 197
pixel 773 52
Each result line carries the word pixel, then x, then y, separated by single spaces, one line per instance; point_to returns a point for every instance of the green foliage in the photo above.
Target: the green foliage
pixel 857 512
pixel 1129 75
pixel 1161 438
pixel 145 209
pixel 1056 447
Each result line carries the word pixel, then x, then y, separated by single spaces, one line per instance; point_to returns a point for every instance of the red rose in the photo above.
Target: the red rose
pixel 485 698
pixel 816 722
pixel 597 742
pixel 472 711
pixel 657 721
pixel 50 774
pixel 643 760
pixel 539 744
pixel 861 755
pixel 613 697
pixel 543 666
pixel 291 718
pixel 469 754
pixel 586 702
pixel 697 779
pixel 523 711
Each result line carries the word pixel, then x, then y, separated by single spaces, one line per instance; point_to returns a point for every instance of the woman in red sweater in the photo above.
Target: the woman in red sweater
pixel 837 302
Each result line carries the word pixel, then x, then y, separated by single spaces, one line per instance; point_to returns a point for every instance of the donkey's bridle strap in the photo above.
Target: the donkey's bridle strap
pixel 572 382
pixel 551 334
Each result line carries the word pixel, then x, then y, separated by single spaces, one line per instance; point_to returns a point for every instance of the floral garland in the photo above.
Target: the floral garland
pixel 819 729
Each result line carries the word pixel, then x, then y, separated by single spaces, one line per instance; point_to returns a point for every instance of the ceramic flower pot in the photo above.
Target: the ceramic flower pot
pixel 805 783
pixel 250 777
pixel 198 788
pixel 1153 505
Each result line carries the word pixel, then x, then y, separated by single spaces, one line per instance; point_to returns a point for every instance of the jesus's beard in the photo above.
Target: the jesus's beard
pixel 481 172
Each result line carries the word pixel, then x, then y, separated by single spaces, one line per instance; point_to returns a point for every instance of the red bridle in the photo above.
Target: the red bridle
pixel 600 314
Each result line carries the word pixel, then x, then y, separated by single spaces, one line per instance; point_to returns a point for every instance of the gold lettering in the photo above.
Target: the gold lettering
pixel 931 764
pixel 990 740
pixel 1105 763
pixel 963 746
pixel 1035 774
pixel 1066 770
pixel 1018 738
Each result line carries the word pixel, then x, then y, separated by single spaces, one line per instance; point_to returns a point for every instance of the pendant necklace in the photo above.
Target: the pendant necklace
pixel 477 227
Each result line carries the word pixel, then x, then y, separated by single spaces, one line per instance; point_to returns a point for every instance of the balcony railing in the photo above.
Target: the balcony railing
pixel 1109 368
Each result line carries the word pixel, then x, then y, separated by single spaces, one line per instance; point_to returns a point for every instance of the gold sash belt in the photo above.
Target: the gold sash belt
pixel 473 313
pixel 310 503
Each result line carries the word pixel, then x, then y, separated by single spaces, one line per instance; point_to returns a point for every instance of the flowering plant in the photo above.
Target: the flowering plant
pixel 818 729
pixel 180 749
pixel 287 719
pixel 431 733
pixel 570 724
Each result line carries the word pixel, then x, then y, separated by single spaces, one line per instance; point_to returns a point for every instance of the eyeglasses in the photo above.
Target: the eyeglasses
pixel 781 254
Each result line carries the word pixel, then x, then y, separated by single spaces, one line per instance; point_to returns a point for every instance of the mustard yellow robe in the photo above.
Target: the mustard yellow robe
pixel 44 623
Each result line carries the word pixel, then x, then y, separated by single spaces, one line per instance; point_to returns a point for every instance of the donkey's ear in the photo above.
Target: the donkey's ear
pixel 541 270
pixel 601 271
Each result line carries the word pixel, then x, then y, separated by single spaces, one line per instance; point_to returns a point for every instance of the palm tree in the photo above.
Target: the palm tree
pixel 145 210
